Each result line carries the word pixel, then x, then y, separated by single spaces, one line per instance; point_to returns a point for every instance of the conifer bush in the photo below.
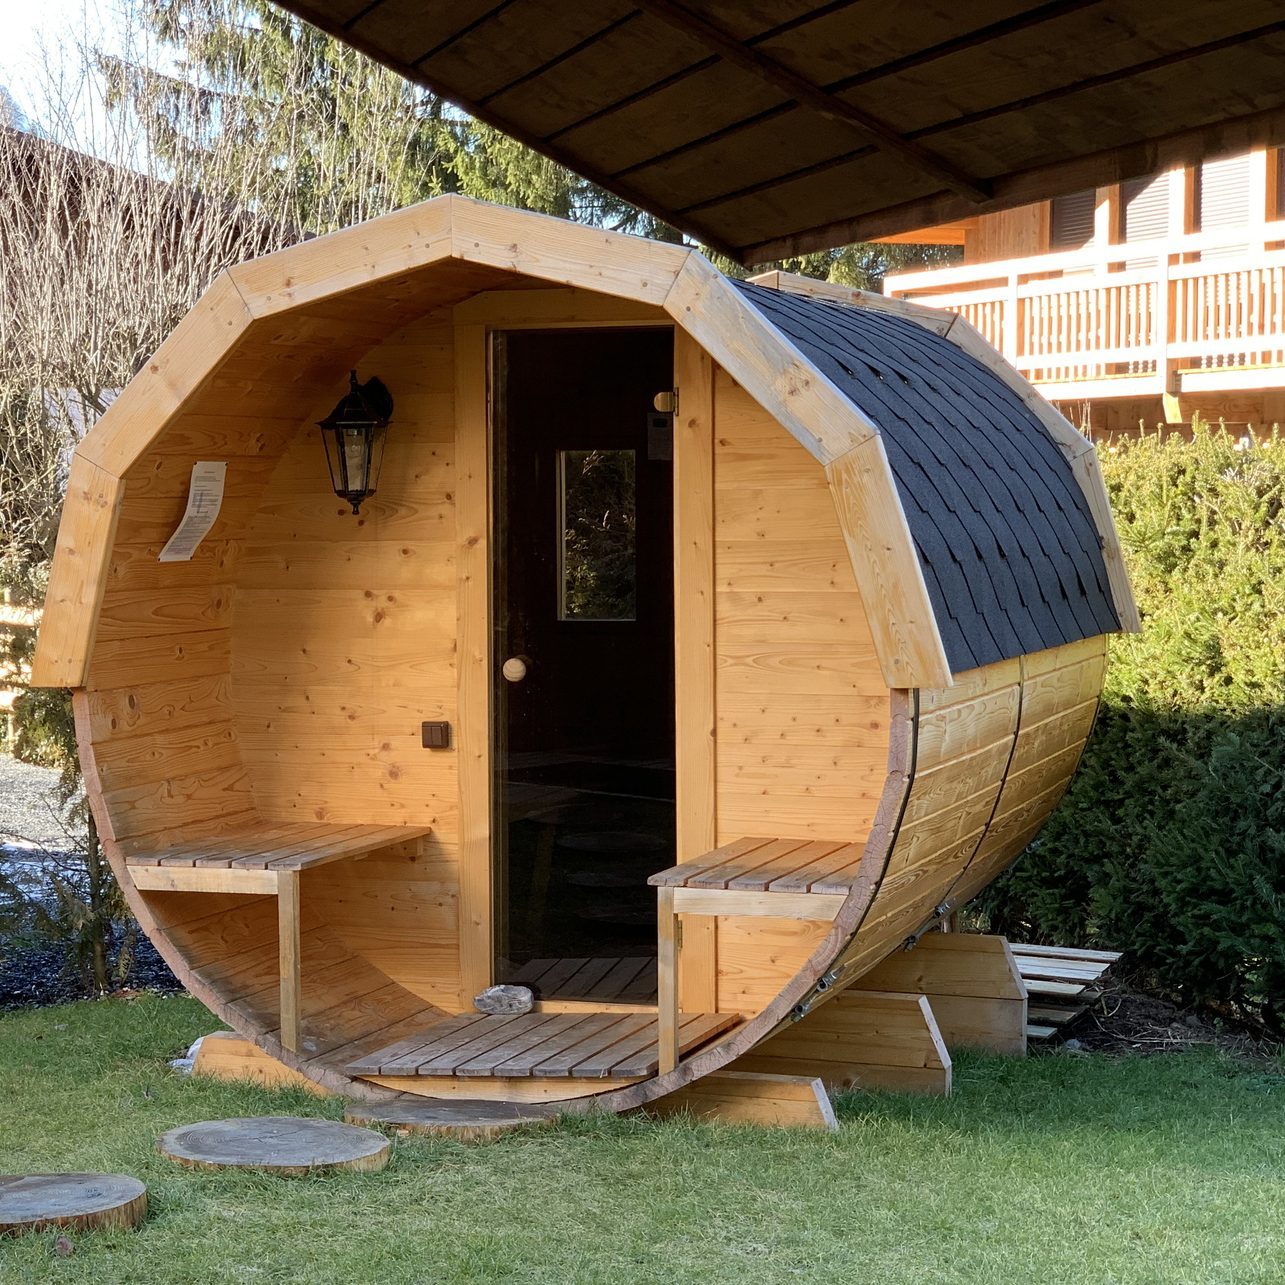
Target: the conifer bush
pixel 1170 843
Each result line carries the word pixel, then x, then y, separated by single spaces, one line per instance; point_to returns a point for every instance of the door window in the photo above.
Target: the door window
pixel 598 521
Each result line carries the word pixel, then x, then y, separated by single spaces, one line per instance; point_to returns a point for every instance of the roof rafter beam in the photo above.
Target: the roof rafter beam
pixel 811 95
pixel 489 116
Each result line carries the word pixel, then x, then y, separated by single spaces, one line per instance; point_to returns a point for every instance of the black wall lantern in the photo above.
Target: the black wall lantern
pixel 353 434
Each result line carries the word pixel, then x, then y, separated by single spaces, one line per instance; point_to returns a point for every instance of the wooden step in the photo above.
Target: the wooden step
pixel 540 1045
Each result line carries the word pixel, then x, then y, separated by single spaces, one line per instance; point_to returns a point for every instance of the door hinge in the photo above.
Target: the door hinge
pixel 678 933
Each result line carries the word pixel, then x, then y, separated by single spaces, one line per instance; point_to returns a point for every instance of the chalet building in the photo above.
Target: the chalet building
pixel 1150 301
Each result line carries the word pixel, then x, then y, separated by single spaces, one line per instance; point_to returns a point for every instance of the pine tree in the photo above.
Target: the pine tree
pixel 335 138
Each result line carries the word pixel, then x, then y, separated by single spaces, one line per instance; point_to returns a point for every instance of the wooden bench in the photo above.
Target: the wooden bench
pixel 266 860
pixel 775 878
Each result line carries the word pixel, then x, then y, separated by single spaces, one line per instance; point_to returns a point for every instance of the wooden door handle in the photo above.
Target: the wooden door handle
pixel 515 668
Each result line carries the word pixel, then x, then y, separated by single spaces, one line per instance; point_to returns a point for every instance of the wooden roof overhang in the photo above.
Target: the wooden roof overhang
pixel 231 357
pixel 777 127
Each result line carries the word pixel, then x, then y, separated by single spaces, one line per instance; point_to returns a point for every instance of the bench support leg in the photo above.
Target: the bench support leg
pixel 666 979
pixel 288 948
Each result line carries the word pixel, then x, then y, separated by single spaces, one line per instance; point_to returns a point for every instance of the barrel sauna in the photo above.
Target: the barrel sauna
pixel 702 642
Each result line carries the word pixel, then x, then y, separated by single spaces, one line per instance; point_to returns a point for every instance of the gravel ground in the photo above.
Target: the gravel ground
pixel 29 815
pixel 34 841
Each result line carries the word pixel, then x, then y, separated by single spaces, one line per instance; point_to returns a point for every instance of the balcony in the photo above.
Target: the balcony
pixel 1189 314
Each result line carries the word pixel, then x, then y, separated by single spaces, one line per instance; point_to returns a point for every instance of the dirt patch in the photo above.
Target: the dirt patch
pixel 1124 1021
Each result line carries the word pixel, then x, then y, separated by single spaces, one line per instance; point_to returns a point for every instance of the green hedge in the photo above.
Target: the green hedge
pixel 1171 841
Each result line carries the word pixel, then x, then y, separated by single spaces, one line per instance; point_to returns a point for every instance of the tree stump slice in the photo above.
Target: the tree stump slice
pixel 29 1202
pixel 466 1120
pixel 291 1146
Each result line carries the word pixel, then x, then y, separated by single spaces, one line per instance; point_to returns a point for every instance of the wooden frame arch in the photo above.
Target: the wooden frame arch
pixel 362 261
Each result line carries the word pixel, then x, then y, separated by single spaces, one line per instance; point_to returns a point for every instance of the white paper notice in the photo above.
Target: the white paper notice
pixel 204 499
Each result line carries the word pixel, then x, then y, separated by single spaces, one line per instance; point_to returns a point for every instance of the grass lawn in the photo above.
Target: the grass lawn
pixel 1060 1169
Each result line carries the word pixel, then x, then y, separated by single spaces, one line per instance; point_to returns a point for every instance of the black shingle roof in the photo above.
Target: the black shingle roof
pixel 1009 549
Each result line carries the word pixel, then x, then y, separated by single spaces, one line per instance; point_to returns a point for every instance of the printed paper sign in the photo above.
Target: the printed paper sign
pixel 204 499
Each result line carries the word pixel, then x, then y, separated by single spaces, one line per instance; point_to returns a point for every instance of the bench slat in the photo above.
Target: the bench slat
pixel 273 849
pixel 837 864
pixel 803 857
pixel 822 866
pixel 677 876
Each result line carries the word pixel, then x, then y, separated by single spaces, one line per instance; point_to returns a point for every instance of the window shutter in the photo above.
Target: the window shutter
pixel 1071 220
pixel 1146 207
pixel 1223 200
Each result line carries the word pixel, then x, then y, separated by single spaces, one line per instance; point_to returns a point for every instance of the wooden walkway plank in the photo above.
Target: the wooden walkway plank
pixel 586 979
pixel 569 1029
pixel 623 974
pixel 694 1029
pixel 379 1061
pixel 602 1042
pixel 600 1045
pixel 1071 990
pixel 532 1036
pixel 642 989
pixel 443 1058
pixel 417 1018
pixel 1055 970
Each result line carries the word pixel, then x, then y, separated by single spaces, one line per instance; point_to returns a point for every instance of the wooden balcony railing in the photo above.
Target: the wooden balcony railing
pixel 1202 311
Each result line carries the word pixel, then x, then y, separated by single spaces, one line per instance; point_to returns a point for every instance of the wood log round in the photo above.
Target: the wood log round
pixel 465 1120
pixel 290 1146
pixel 88 1201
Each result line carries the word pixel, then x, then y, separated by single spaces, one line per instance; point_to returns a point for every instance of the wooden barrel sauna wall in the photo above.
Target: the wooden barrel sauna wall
pixel 864 675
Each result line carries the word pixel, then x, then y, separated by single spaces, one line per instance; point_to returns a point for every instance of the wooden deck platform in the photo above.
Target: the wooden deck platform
pixel 540 1045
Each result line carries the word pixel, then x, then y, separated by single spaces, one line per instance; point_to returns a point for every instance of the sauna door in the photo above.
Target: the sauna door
pixel 582 656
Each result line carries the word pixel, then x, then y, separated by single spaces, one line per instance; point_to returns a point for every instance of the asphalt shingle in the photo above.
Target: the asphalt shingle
pixel 1011 555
